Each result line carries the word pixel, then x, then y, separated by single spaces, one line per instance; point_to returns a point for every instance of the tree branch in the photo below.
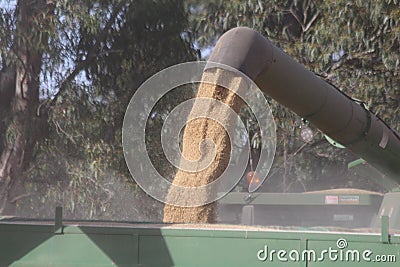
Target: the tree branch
pixel 310 23
pixel 346 59
pixel 15 199
pixel 293 13
pixel 306 11
pixel 304 25
pixel 4 161
pixel 92 54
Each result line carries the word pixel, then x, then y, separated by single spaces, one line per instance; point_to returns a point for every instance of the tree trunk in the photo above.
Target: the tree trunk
pixel 19 129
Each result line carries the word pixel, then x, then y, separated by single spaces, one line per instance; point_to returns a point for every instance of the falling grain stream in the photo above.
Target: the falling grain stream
pixel 200 129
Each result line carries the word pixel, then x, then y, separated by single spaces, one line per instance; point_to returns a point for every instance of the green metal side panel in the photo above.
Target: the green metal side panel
pixel 152 245
pixel 27 246
pixel 208 251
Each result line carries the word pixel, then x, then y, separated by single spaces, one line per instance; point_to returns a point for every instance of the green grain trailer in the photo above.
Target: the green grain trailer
pixel 333 229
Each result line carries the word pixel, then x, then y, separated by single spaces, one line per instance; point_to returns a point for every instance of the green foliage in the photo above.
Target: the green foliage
pixel 99 53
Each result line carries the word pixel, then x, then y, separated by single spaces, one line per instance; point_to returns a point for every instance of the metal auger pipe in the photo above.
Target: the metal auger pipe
pixel 292 85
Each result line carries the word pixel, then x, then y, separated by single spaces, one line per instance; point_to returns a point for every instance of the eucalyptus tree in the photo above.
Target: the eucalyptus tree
pixel 67 71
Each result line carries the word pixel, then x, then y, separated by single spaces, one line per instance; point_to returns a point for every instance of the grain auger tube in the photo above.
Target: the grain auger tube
pixel 292 85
